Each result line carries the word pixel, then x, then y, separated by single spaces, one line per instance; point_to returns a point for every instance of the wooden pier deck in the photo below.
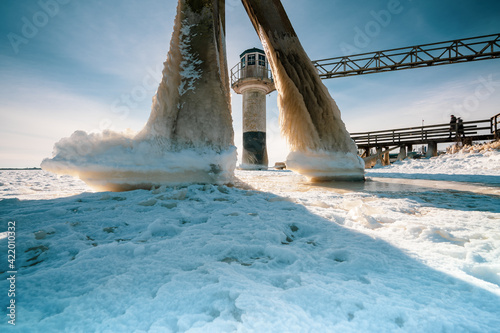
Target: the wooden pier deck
pixel 431 135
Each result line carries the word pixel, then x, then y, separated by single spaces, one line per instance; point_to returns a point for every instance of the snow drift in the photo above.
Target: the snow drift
pixel 298 257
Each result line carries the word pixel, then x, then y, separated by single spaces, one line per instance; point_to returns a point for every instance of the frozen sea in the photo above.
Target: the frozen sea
pixel 415 248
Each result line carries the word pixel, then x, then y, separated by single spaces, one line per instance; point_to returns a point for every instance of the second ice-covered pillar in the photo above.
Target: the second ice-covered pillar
pixel 321 147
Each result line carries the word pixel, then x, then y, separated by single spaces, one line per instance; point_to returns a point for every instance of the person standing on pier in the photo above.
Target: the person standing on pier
pixel 453 125
pixel 460 127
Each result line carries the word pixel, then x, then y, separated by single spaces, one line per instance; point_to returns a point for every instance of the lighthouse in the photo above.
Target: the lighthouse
pixel 252 78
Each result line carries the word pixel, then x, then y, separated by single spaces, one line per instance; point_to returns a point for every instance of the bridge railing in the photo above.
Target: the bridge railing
pixel 423 134
pixel 495 125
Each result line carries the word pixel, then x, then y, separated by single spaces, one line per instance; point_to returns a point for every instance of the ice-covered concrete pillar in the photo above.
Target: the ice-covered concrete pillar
pixel 252 78
pixel 189 135
pixel 320 146
pixel 192 106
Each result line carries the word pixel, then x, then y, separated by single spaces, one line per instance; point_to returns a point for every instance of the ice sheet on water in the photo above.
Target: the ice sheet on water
pixel 38 184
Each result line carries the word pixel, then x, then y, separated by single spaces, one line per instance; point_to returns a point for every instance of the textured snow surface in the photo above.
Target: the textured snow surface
pixel 387 255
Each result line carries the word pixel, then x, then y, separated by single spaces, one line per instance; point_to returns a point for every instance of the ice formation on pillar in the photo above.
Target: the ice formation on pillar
pixel 188 137
pixel 321 147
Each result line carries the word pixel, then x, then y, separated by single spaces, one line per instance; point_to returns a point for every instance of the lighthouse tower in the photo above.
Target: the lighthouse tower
pixel 252 78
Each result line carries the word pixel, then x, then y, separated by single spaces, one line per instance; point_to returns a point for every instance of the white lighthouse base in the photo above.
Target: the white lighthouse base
pixel 246 166
pixel 320 166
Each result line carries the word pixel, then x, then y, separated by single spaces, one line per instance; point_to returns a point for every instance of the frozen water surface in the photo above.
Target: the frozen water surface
pixel 287 181
pixel 271 254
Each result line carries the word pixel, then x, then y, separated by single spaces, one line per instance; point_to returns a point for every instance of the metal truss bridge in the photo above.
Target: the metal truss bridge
pixel 443 53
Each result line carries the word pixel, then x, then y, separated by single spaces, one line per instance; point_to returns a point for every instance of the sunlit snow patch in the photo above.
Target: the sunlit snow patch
pixel 326 165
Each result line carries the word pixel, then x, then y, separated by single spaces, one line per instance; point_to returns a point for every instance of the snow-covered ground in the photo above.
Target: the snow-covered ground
pixel 416 248
pixel 481 167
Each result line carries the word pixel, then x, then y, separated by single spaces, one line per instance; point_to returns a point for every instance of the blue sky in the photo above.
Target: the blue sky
pixel 69 65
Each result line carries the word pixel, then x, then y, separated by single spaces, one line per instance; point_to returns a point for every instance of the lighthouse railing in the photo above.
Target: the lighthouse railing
pixel 243 71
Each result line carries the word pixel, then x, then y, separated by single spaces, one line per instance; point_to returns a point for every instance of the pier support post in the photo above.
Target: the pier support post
pixel 386 160
pixel 402 153
pixel 379 155
pixel 383 156
pixel 432 149
pixel 409 149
